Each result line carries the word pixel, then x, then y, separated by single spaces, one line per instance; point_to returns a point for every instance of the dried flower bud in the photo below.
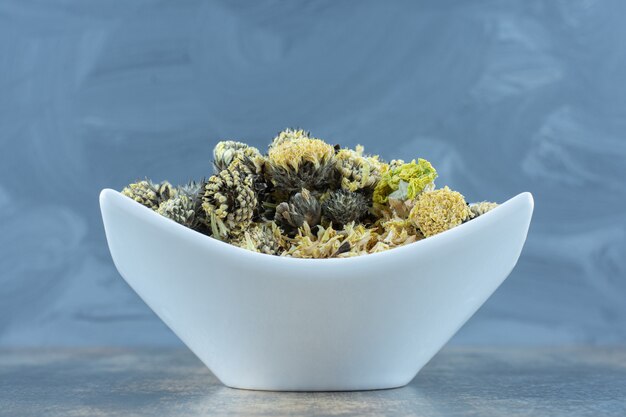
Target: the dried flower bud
pixel 288 135
pixel 358 172
pixel 229 151
pixel 165 190
pixel 262 187
pixel 304 163
pixel 192 189
pixel 439 210
pixel 229 202
pixel 180 209
pixel 149 194
pixel 264 238
pixel 478 209
pixel 302 208
pixel 343 207
pixel 405 182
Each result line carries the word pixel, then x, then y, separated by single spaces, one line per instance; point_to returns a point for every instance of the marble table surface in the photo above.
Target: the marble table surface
pixel 457 382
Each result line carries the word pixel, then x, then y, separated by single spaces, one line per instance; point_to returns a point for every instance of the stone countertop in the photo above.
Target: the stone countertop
pixel 457 382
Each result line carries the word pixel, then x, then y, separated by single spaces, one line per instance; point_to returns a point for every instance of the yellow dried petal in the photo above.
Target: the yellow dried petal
pixel 439 210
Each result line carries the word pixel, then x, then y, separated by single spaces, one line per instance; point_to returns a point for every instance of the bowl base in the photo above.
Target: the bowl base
pixel 330 388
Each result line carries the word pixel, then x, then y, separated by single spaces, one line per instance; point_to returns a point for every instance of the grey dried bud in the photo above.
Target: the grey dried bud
pixel 343 207
pixel 194 191
pixel 302 207
pixel 180 209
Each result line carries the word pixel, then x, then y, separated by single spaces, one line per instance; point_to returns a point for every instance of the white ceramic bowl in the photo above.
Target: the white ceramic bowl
pixel 278 323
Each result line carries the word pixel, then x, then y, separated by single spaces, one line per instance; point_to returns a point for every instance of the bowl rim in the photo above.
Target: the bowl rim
pixel 205 240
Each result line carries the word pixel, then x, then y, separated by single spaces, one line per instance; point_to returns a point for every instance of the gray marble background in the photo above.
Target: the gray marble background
pixel 501 96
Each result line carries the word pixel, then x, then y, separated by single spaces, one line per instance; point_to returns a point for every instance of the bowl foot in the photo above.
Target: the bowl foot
pixel 329 388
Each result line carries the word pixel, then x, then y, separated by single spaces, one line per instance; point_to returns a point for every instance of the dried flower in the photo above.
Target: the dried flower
pixel 262 188
pixel 439 210
pixel 229 202
pixel 264 238
pixel 288 135
pixel 149 194
pixel 329 243
pixel 343 207
pixel 229 151
pixel 478 209
pixel 357 171
pixel 302 208
pixel 360 239
pixel 304 163
pixel 397 209
pixel 405 181
pixel 192 189
pixel 165 190
pixel 180 209
pixel 397 232
pixel 309 199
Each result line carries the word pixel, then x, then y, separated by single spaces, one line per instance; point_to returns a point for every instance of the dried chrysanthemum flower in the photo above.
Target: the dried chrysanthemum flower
pixel 304 163
pixel 352 240
pixel 229 202
pixel 398 232
pixel 280 203
pixel 439 210
pixel 478 209
pixel 357 171
pixel 302 208
pixel 228 151
pixel 342 207
pixel 323 244
pixel 264 238
pixel 194 191
pixel 149 194
pixel 180 209
pixel 262 187
pixel 406 181
pixel 288 135
pixel 360 239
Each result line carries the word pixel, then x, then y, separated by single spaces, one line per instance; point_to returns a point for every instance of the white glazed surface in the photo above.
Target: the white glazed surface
pixel 278 323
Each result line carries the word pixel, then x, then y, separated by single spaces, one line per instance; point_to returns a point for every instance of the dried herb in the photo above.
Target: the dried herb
pixel 309 199
pixel 439 210
pixel 149 194
pixel 229 202
pixel 301 208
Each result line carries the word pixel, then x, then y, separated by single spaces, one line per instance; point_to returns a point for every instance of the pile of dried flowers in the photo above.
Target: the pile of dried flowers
pixel 308 199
